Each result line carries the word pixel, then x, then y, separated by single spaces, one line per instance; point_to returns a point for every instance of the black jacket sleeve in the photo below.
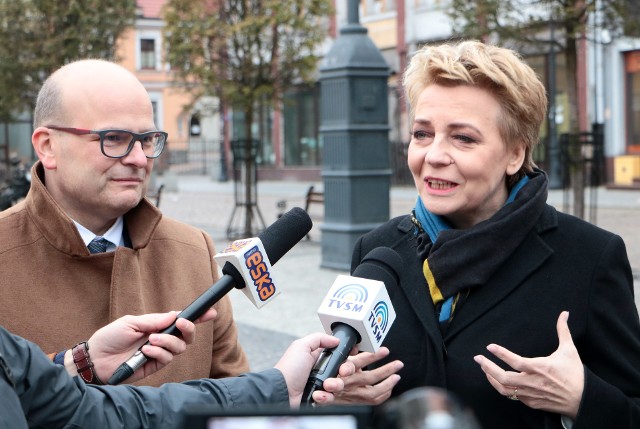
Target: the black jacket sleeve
pixel 49 397
pixel 610 345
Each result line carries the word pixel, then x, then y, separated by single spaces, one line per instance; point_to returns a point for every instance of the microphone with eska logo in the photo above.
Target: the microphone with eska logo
pixel 357 310
pixel 246 265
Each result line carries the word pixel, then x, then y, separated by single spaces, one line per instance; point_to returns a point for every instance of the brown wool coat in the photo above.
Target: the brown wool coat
pixel 56 294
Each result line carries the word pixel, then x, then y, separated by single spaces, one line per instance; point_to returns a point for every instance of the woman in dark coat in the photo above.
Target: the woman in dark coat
pixel 525 313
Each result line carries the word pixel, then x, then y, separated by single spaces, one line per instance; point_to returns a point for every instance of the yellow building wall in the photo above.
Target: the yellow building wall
pixel 126 50
pixel 384 32
pixel 174 100
pixel 175 103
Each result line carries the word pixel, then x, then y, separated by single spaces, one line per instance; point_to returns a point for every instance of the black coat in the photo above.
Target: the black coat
pixel 563 264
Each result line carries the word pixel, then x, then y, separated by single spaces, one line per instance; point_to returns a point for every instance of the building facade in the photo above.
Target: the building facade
pixel 290 145
pixel 193 127
pixel 608 78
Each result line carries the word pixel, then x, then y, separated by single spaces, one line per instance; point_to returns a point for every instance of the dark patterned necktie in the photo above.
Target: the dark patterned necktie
pixel 98 245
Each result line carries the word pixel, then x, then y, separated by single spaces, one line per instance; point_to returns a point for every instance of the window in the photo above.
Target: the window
pixel 376 7
pixel 260 130
pixel 301 117
pixel 428 4
pixel 147 54
pixel 154 105
pixel 547 70
pixel 632 97
pixel 148 48
pixel 158 111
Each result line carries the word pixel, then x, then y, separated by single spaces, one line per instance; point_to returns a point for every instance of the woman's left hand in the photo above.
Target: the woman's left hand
pixel 553 383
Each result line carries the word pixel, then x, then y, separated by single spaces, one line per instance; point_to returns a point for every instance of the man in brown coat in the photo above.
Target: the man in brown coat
pixel 96 142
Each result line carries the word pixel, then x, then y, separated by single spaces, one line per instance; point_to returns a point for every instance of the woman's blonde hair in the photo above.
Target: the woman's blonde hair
pixel 499 71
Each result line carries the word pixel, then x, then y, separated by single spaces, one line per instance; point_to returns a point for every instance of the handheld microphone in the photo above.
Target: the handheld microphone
pixel 357 310
pixel 246 262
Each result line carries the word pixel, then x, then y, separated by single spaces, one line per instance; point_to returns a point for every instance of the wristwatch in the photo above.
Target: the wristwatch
pixel 84 365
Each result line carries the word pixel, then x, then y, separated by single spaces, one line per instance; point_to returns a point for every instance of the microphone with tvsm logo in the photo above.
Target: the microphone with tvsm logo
pixel 357 310
pixel 247 266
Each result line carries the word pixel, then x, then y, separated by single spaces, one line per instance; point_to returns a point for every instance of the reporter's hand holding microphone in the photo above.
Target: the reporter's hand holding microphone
pixel 110 345
pixel 358 311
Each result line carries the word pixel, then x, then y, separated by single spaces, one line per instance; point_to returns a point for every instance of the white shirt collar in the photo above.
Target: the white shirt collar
pixel 113 234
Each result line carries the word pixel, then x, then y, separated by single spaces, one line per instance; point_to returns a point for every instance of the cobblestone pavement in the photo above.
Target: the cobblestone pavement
pixel 208 204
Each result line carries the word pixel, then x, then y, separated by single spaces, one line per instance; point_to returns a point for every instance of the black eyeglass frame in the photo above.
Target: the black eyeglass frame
pixel 101 133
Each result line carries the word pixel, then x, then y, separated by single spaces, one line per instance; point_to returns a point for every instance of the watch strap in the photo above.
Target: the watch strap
pixel 83 363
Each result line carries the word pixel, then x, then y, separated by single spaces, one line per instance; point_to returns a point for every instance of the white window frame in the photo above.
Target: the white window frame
pixel 156 98
pixel 154 35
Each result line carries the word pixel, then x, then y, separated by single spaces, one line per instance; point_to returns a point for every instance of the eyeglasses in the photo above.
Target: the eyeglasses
pixel 118 143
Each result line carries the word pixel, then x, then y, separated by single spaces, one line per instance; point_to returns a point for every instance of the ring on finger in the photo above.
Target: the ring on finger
pixel 514 396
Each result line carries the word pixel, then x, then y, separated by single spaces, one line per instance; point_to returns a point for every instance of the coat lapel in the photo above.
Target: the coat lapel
pixel 413 283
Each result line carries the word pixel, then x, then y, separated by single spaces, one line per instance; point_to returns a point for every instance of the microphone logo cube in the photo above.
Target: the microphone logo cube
pixel 363 304
pixel 250 259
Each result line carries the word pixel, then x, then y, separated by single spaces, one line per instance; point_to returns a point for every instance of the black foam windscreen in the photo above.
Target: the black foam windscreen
pixel 285 233
pixel 384 264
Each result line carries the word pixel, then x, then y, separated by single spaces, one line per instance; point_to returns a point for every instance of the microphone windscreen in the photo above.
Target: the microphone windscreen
pixel 383 264
pixel 285 233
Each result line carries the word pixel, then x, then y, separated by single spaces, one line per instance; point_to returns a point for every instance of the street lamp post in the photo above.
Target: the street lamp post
pixel 354 129
pixel 555 162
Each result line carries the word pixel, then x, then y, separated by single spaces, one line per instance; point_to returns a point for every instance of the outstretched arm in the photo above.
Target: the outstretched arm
pixel 50 397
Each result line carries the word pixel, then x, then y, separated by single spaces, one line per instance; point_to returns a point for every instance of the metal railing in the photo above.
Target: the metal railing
pixel 582 161
pixel 196 156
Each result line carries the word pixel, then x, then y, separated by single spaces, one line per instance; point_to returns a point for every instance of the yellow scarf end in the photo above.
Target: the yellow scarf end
pixel 436 295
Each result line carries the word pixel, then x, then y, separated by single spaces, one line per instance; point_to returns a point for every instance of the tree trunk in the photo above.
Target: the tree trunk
pixel 248 173
pixel 576 166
